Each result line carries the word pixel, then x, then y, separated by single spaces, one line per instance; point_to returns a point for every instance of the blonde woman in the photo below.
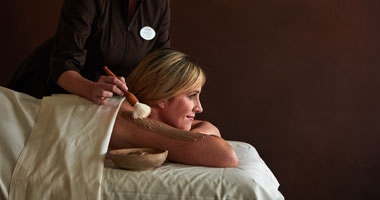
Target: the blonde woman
pixel 170 83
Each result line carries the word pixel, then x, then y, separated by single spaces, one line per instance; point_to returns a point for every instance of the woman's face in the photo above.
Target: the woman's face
pixel 180 111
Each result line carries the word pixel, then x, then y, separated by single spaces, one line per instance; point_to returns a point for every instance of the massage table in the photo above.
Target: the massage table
pixel 55 148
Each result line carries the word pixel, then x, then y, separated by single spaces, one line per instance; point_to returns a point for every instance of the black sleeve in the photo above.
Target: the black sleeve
pixel 74 28
pixel 163 40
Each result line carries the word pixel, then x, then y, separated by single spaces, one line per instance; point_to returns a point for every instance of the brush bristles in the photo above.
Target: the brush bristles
pixel 140 110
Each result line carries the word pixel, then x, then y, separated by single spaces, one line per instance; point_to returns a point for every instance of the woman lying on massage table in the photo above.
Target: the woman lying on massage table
pixel 170 83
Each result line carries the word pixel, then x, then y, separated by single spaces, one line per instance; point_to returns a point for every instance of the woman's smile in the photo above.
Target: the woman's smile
pixel 180 111
pixel 191 117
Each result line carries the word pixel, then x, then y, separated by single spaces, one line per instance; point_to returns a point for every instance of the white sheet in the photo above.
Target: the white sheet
pixel 53 166
pixel 63 157
pixel 252 179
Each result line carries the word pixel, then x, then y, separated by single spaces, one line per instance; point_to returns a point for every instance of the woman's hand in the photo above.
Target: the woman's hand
pixel 106 87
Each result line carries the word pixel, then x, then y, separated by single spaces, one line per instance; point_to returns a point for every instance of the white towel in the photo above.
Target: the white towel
pixel 63 157
pixel 17 117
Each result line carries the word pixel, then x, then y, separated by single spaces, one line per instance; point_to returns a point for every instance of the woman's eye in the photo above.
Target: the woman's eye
pixel 193 96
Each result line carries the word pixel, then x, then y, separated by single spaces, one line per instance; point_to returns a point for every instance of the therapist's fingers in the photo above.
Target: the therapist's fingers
pixel 122 79
pixel 119 82
pixel 101 93
pixel 106 88
pixel 101 101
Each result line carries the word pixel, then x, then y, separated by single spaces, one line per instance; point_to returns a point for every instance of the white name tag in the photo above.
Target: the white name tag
pixel 147 33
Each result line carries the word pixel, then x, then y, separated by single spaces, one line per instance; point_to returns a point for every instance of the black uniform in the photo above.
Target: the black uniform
pixel 90 35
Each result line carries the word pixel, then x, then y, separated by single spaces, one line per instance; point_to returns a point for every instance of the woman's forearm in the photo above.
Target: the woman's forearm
pixel 208 150
pixel 211 151
pixel 75 83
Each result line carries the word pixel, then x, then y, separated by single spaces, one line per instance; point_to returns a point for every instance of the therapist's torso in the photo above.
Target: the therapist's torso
pixel 92 34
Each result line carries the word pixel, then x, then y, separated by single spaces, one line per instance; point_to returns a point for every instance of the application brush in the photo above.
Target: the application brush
pixel 140 110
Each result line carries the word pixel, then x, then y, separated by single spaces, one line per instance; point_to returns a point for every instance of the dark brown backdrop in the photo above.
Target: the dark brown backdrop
pixel 297 79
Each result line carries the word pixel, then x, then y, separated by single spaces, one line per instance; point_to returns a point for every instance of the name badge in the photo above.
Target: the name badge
pixel 147 33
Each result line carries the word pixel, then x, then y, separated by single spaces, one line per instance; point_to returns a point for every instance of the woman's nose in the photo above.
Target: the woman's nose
pixel 198 107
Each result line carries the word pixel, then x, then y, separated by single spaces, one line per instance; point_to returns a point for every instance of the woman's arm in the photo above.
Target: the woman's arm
pixel 207 151
pixel 205 128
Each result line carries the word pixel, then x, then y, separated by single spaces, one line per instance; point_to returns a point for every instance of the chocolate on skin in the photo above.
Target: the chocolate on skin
pixel 162 128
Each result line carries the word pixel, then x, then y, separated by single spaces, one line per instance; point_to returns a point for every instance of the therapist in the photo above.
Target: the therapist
pixel 92 34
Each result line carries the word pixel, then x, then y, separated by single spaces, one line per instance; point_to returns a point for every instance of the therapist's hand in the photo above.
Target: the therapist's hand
pixel 106 87
pixel 97 92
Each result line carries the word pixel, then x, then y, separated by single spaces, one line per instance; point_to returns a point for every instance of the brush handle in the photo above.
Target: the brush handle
pixel 131 98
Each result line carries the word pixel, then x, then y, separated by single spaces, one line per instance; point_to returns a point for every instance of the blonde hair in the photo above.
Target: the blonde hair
pixel 164 74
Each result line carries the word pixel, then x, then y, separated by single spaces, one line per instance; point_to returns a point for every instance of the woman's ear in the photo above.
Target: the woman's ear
pixel 159 105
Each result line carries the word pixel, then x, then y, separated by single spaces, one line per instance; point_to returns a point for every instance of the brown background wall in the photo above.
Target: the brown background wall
pixel 297 79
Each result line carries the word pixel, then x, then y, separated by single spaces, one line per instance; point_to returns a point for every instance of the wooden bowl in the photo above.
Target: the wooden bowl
pixel 138 158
